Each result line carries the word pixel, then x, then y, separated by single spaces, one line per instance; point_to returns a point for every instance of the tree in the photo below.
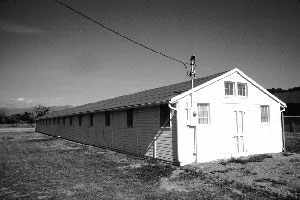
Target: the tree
pixel 2 117
pixel 40 111
pixel 13 119
pixel 28 117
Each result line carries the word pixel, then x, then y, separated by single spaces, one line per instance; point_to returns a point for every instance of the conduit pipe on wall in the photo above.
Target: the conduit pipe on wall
pixel 283 134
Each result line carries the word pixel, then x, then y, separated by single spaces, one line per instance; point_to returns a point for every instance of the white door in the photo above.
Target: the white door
pixel 238 132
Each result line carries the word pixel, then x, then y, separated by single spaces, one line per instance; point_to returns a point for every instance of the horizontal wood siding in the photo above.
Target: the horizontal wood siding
pixel 139 139
pixel 166 140
pixel 117 133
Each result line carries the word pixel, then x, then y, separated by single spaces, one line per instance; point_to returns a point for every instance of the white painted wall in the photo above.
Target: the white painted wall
pixel 215 141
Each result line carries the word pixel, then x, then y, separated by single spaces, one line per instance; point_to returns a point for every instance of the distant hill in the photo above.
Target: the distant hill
pixel 10 111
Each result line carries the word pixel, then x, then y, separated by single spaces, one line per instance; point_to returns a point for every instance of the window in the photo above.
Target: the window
pixel 265 114
pixel 71 120
pixel 107 118
pixel 203 113
pixel 164 115
pixel 53 121
pixel 79 120
pixel 64 120
pixel 58 119
pixel 49 121
pixel 242 89
pixel 229 88
pixel 91 119
pixel 130 118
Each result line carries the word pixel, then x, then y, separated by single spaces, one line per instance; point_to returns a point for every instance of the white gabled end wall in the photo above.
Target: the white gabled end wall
pixel 217 139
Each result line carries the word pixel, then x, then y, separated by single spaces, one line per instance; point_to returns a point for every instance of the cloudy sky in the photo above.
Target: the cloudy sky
pixel 53 56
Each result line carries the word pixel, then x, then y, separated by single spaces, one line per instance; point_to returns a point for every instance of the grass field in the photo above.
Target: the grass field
pixel 17 126
pixel 36 166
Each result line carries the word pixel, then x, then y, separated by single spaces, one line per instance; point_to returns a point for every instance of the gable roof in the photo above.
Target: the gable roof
pixel 171 93
pixel 148 97
pixel 223 75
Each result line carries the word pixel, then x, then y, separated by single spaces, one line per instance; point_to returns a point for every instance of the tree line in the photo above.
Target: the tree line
pixel 24 118
pixel 280 90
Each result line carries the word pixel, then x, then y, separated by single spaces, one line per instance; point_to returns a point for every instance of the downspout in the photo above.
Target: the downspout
pixel 283 134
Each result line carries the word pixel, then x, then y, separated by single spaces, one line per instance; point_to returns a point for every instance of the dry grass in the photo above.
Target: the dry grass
pixel 35 166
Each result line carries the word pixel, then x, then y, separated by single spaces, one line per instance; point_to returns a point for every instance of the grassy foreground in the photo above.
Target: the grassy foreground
pixel 36 166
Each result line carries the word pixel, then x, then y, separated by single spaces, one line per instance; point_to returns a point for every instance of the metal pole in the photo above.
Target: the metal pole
pixel 192 74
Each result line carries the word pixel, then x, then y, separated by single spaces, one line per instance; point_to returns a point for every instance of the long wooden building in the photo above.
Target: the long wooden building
pixel 225 115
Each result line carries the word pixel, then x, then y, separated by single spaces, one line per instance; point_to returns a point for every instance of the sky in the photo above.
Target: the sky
pixel 52 56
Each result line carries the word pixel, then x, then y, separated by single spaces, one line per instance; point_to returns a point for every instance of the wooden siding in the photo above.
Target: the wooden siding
pixel 145 138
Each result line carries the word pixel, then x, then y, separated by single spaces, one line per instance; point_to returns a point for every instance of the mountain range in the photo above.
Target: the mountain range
pixel 9 111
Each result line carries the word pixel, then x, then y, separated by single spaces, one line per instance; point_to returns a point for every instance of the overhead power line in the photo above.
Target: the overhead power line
pixel 119 34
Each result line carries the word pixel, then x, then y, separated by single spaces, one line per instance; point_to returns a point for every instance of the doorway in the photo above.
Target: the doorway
pixel 238 132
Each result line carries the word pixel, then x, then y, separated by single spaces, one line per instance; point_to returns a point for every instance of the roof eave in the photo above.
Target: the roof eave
pixel 110 109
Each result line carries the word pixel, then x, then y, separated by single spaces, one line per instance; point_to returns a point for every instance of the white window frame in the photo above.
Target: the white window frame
pixel 233 89
pixel 268 114
pixel 246 89
pixel 208 114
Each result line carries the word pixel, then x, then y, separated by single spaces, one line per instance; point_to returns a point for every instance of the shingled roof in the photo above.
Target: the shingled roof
pixel 148 97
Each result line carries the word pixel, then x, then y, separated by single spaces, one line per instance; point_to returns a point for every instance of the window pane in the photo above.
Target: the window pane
pixel 242 89
pixel 229 88
pixel 203 113
pixel 265 113
pixel 91 119
pixel 107 118
pixel 130 118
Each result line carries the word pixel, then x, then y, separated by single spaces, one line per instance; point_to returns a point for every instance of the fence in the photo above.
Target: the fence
pixel 292 124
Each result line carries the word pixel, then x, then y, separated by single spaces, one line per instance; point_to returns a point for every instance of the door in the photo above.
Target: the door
pixel 238 132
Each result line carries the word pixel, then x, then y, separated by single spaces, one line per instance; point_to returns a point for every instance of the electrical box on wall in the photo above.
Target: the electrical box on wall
pixel 192 116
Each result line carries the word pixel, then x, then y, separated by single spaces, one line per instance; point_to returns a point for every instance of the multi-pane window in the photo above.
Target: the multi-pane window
pixel 164 115
pixel 130 118
pixel 71 120
pixel 229 88
pixel 107 118
pixel 79 120
pixel 64 120
pixel 265 114
pixel 91 119
pixel 242 89
pixel 203 113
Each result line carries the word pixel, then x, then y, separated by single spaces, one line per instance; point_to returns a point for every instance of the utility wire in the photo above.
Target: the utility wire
pixel 119 34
